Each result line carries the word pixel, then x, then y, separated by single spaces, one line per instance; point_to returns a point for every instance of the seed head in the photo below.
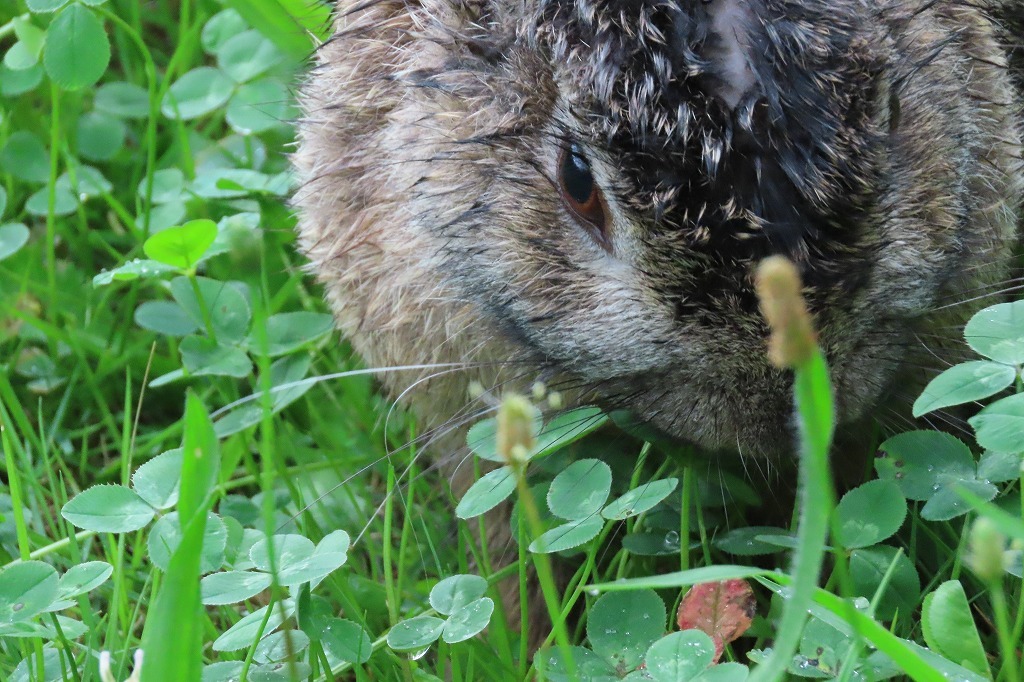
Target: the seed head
pixel 986 546
pixel 792 342
pixel 516 419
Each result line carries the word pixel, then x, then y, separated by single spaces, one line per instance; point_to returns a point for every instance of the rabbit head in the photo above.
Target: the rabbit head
pixel 580 190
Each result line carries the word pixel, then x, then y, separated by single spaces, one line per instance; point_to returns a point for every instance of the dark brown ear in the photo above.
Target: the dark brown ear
pixel 1010 14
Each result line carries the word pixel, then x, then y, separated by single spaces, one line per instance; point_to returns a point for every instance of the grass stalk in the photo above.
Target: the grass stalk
pixel 51 197
pixel 17 501
pixel 793 346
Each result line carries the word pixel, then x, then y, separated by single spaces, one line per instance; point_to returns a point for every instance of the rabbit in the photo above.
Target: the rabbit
pixel 497 191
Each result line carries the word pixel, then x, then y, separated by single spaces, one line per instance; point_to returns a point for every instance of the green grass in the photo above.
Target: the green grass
pixel 174 404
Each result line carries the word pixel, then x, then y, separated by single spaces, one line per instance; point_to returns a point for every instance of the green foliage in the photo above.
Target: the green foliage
pixel 963 383
pixel 13 236
pixel 460 598
pixel 933 467
pixel 147 173
pixel 182 247
pixel 173 634
pixel 626 634
pixel 108 509
pixel 487 493
pixel 76 52
pixel 686 656
pixel 623 625
pixel 580 490
pixel 869 514
pixel 949 628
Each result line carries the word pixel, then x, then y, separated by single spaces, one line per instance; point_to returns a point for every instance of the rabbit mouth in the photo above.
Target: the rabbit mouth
pixel 746 407
pixel 718 428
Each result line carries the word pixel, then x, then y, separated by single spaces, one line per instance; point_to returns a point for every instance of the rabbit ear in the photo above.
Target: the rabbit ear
pixel 731 45
pixel 1010 13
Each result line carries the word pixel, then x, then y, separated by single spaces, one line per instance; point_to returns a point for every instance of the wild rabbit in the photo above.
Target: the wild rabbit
pixel 578 190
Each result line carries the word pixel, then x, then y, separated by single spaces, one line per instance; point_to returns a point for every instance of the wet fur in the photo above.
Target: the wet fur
pixel 878 143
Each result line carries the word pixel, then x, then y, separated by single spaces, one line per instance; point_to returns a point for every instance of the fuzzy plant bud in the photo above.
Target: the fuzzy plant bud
pixel 539 390
pixel 516 419
pixel 476 389
pixel 792 342
pixel 986 547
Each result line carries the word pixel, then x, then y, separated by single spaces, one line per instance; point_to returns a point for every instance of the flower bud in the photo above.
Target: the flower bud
pixel 539 390
pixel 779 289
pixel 476 389
pixel 516 420
pixel 985 550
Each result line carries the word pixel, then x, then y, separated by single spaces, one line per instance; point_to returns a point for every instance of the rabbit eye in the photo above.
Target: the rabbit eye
pixel 581 194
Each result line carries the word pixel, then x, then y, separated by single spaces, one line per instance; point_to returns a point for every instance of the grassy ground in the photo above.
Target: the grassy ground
pixel 174 404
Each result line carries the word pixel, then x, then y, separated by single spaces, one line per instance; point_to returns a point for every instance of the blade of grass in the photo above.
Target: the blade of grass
pixel 172 639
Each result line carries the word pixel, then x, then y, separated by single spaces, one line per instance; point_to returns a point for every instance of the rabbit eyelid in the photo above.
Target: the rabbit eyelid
pixel 582 195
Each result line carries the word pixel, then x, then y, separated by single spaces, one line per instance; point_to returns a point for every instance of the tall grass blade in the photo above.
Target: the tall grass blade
pixel 172 639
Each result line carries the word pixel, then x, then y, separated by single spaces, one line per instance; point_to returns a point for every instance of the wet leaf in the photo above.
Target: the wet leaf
pixel 623 625
pixel 722 609
pixel 580 490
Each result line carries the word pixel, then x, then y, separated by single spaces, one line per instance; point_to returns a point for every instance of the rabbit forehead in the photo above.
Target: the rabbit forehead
pixel 727 117
pixel 739 127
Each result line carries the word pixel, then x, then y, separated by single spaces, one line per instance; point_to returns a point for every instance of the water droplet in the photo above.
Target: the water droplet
pixel 18 607
pixel 672 539
pixel 417 655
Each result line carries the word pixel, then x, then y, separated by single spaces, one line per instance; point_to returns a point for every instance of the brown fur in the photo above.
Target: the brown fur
pixel 887 131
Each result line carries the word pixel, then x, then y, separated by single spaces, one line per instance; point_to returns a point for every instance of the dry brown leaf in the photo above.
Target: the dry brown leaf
pixel 722 609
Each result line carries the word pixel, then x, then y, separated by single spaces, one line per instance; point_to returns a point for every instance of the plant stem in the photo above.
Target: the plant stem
pixel 813 397
pixel 51 199
pixel 542 565
pixel 14 484
pixel 1001 611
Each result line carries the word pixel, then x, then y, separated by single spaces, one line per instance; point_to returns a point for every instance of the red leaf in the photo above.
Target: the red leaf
pixel 723 610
